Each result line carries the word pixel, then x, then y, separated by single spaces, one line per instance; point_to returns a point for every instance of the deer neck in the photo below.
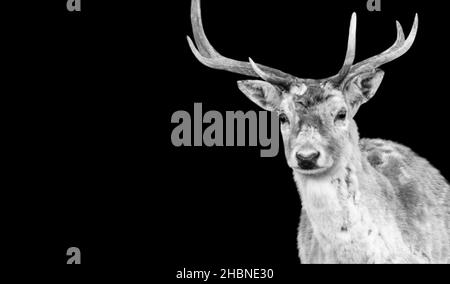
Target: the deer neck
pixel 332 201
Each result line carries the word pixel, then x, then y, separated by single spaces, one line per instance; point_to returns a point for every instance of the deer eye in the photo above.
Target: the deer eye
pixel 283 118
pixel 342 114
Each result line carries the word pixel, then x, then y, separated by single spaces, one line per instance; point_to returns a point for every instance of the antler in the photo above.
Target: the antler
pixel 207 55
pixel 351 49
pixel 399 48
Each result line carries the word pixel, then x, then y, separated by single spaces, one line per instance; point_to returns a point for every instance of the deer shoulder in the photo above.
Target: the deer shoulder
pixel 418 196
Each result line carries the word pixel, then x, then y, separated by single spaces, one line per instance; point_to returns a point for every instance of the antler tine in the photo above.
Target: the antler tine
pixel 263 75
pixel 351 49
pixel 400 47
pixel 208 56
pixel 400 38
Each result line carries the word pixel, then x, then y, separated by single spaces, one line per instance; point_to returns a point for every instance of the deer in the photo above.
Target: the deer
pixel 362 200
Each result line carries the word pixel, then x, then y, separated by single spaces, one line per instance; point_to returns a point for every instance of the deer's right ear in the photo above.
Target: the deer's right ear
pixel 262 93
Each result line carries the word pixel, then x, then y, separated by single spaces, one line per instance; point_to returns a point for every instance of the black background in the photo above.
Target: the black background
pixel 88 102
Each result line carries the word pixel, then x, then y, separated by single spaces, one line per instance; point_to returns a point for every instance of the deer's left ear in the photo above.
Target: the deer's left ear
pixel 262 93
pixel 361 88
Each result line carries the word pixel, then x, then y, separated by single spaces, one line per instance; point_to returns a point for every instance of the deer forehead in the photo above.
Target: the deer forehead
pixel 298 90
pixel 302 97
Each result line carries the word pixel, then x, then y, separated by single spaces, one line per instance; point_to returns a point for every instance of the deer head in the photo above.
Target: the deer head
pixel 316 115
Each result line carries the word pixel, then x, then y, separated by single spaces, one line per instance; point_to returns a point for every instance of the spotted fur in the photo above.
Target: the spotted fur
pixel 419 194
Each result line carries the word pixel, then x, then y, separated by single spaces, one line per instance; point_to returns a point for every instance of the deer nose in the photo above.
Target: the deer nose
pixel 307 160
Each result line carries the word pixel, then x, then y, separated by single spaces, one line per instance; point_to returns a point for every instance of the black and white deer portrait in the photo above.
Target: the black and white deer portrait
pixel 363 200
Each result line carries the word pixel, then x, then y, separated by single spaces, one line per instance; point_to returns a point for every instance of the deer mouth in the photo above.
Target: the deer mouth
pixel 313 171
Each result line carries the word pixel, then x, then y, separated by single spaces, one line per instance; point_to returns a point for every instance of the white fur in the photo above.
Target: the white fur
pixel 332 206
